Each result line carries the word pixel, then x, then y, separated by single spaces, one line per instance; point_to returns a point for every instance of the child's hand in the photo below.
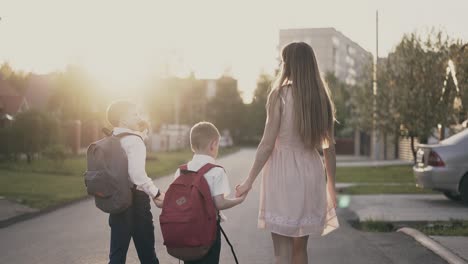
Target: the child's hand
pixel 159 201
pixel 243 188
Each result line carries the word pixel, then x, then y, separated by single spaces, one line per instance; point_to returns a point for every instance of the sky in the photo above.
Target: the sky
pixel 123 44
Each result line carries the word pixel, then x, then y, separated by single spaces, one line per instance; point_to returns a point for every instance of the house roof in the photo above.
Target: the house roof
pixel 11 104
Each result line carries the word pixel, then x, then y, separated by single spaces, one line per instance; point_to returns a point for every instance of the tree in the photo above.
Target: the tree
pixel 417 70
pixel 254 122
pixel 458 53
pixel 33 131
pixel 340 94
pixel 17 79
pixel 361 100
pixel 186 100
pixel 160 101
pixel 413 92
pixel 387 120
pixel 227 109
pixel 8 147
pixel 74 97
pixel 169 96
pixel 194 101
pixel 384 116
pixel 6 71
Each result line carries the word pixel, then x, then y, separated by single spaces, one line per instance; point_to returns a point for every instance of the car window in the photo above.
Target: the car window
pixel 461 137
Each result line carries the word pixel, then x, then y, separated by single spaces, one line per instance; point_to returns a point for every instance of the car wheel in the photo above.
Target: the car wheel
pixel 452 196
pixel 464 190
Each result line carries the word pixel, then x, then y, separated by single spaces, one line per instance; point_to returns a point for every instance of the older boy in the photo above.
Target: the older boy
pixel 137 221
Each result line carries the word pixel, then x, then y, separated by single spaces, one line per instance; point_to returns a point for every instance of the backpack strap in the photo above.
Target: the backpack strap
pixel 207 167
pixel 183 169
pixel 229 242
pixel 122 135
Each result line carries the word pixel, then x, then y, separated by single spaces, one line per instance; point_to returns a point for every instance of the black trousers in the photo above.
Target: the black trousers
pixel 212 257
pixel 136 222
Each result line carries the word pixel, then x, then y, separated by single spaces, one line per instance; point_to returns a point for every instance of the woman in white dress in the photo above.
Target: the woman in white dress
pixel 297 198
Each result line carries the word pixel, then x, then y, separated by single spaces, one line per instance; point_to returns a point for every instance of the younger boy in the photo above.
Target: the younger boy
pixel 204 141
pixel 137 221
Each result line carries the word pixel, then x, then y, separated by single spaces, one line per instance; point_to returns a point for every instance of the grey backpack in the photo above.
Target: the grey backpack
pixel 107 176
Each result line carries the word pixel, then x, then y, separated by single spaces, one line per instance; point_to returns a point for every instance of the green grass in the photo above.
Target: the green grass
pixel 385 189
pixel 376 180
pixel 40 190
pixel 72 166
pixel 451 228
pixel 374 226
pixel 44 183
pixel 393 174
pixel 161 164
pixel 438 228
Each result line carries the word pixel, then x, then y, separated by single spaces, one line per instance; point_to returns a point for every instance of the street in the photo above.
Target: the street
pixel 79 234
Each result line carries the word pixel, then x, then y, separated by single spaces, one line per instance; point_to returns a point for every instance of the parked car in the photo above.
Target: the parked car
pixel 225 141
pixel 444 167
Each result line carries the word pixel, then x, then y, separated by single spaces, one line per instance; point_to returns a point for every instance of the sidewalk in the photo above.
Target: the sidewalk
pixel 406 208
pixel 412 208
pixel 10 209
pixel 456 244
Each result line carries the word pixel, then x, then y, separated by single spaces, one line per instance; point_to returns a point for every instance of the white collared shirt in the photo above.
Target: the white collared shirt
pixel 136 154
pixel 216 177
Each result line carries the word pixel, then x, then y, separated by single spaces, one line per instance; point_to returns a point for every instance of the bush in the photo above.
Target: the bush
pixel 57 153
pixel 34 131
pixel 7 146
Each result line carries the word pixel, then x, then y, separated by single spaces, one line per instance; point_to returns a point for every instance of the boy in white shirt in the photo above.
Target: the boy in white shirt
pixel 137 221
pixel 204 140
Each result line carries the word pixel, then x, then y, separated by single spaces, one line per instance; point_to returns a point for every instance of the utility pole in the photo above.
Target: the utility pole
pixel 375 148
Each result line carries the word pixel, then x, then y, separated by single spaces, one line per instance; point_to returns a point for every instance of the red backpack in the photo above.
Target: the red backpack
pixel 188 218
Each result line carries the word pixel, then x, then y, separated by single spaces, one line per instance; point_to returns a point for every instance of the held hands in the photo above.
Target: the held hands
pixel 241 198
pixel 159 201
pixel 243 189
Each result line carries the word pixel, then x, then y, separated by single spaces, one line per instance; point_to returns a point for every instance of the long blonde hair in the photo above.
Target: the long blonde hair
pixel 314 111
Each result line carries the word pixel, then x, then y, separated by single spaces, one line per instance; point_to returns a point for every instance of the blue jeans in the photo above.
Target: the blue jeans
pixel 136 222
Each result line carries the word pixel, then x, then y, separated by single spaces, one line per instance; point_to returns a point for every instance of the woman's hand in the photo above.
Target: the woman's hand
pixel 243 188
pixel 241 198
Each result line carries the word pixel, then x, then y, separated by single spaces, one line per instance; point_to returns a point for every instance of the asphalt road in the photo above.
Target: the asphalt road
pixel 79 234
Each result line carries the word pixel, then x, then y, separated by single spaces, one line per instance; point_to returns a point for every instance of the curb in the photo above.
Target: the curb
pixel 26 216
pixel 432 245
